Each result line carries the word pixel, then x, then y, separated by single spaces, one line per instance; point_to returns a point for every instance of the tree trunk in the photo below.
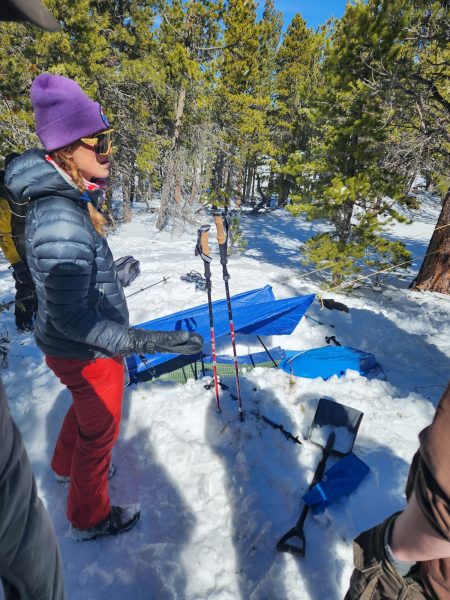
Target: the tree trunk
pixel 144 191
pixel 248 183
pixel 253 185
pixel 132 189
pixel 343 221
pixel 126 205
pixel 167 189
pixel 165 193
pixel 218 172
pixel 265 201
pixel 270 183
pixel 239 188
pixel 109 207
pixel 178 187
pixel 284 185
pixel 434 274
pixel 196 183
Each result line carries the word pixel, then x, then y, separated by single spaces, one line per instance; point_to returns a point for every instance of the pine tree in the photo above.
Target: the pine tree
pixel 345 178
pixel 188 37
pixel 298 79
pixel 17 68
pixel 414 83
pixel 244 97
pixel 108 49
pixel 270 28
pixel 130 89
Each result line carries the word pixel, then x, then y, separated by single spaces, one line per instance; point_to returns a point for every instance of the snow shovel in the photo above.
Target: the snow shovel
pixel 334 429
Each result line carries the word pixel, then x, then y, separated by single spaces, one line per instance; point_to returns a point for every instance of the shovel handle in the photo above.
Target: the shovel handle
pixel 325 454
pixel 297 530
pixel 297 550
pixel 221 236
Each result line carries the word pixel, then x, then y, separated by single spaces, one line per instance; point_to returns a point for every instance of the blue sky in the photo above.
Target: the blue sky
pixel 314 12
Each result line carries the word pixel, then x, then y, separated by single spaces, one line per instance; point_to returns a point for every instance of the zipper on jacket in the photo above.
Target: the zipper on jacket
pixel 101 295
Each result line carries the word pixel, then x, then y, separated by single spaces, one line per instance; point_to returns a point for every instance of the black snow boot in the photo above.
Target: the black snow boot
pixel 120 519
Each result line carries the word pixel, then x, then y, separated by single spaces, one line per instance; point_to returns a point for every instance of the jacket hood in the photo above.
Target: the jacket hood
pixel 30 176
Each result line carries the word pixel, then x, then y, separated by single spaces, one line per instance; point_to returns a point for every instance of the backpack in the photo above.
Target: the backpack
pixel 127 269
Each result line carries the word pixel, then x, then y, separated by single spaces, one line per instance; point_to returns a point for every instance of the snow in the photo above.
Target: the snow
pixel 343 441
pixel 216 494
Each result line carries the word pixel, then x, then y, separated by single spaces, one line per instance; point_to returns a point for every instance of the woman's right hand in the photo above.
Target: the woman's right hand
pixel 142 341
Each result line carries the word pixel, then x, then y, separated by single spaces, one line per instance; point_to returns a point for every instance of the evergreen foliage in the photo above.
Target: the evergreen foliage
pixel 359 167
pixel 299 75
pixel 188 37
pixel 212 103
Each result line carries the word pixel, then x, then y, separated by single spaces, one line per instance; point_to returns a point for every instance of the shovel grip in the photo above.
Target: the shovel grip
pixel 204 242
pixel 284 546
pixel 221 237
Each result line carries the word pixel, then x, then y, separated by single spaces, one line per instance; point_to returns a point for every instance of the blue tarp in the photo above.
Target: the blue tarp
pixel 327 361
pixel 255 312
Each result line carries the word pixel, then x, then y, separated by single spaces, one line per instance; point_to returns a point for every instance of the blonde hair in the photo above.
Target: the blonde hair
pixel 63 158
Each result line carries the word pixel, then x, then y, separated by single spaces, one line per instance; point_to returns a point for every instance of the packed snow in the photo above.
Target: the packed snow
pixel 216 494
pixel 342 441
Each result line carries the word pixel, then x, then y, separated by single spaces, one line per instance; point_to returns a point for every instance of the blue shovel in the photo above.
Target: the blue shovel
pixel 334 429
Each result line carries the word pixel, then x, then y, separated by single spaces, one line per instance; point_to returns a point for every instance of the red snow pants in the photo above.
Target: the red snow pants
pixel 88 433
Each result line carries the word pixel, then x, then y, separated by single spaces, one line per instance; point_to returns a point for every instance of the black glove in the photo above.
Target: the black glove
pixel 332 304
pixel 142 341
pixel 21 273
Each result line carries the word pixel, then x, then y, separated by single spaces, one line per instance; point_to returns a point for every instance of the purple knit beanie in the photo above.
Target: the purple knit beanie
pixel 63 112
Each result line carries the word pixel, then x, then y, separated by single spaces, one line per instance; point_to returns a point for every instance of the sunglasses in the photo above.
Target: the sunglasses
pixel 102 142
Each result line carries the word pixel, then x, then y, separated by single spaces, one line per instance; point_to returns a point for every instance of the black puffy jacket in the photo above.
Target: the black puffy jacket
pixel 82 309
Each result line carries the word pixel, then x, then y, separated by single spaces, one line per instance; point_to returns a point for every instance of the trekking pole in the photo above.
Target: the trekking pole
pixel 222 226
pixel 202 250
pixel 163 280
pixel 7 305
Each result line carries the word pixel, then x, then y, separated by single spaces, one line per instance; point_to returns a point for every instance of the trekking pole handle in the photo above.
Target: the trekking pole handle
pixel 221 236
pixel 222 239
pixel 204 243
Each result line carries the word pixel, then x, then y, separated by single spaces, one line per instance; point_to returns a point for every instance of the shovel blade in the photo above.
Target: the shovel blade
pixel 343 420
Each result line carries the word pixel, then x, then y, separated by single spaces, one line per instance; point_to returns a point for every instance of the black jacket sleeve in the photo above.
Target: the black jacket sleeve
pixel 29 554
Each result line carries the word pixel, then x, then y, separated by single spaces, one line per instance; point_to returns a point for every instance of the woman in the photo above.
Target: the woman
pixel 82 320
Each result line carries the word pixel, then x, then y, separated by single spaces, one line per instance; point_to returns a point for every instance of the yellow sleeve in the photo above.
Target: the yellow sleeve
pixel 6 240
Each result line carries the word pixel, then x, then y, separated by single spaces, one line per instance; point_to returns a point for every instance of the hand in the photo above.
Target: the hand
pixel 21 273
pixel 142 341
